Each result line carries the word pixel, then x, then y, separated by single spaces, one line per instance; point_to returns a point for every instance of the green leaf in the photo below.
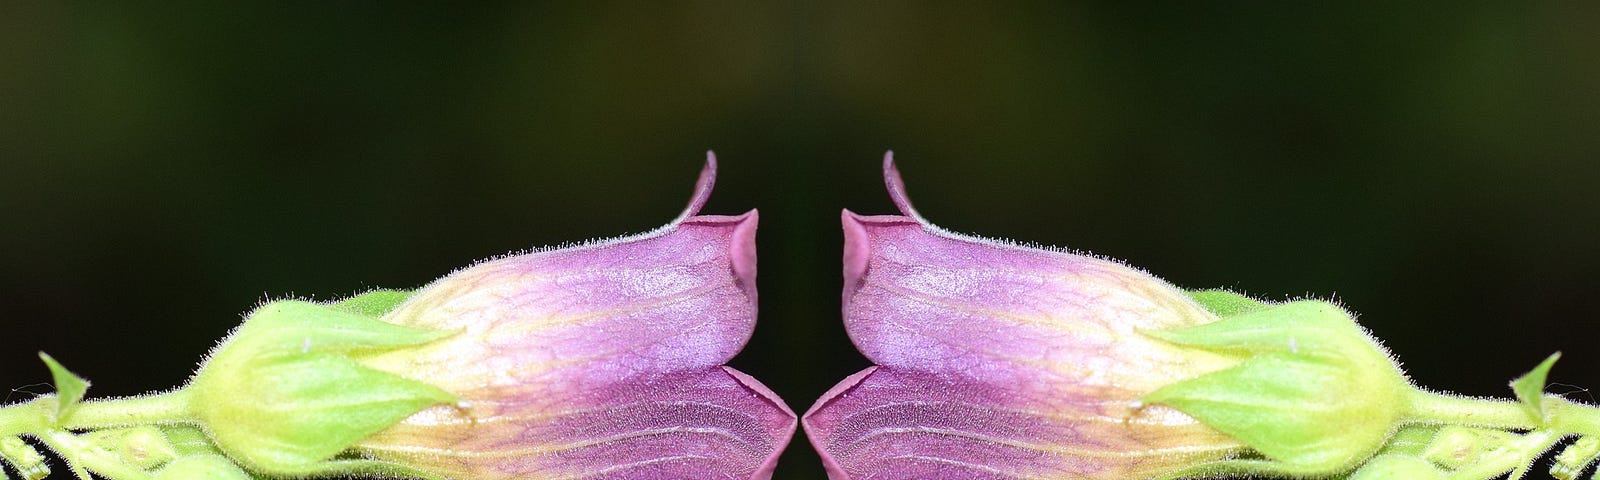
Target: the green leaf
pixel 69 388
pixel 1530 387
pixel 25 459
pixel 1224 303
pixel 374 303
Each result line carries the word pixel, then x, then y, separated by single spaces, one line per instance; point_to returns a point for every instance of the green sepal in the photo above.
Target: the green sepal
pixel 1529 388
pixel 1576 458
pixel 313 407
pixel 191 441
pixel 1411 440
pixel 284 392
pixel 317 407
pixel 1224 303
pixel 374 303
pixel 1396 467
pixel 25 459
pixel 1303 327
pixel 143 447
pixel 363 468
pixel 1234 468
pixel 1312 416
pixel 289 327
pixel 188 440
pixel 69 388
pixel 203 466
pixel 1313 393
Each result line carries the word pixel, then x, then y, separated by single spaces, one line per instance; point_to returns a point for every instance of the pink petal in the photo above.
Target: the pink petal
pixel 596 361
pixel 1002 361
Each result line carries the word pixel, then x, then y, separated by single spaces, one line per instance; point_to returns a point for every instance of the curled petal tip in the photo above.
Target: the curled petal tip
pixel 857 250
pixel 742 252
pixel 897 187
pixel 702 188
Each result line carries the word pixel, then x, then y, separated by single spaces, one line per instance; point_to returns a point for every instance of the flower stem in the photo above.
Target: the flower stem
pixel 24 417
pixel 1442 409
pixel 34 417
pixel 158 409
pixel 1561 416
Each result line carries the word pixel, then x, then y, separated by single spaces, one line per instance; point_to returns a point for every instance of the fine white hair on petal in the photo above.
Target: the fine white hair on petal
pixel 702 193
pixel 897 192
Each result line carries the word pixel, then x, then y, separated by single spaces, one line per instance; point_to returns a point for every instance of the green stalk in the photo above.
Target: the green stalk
pixel 1561 416
pixel 33 417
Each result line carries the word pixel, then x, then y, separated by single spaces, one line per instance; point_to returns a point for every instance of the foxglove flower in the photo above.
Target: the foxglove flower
pixel 996 361
pixel 601 361
pixel 598 361
pixel 1001 361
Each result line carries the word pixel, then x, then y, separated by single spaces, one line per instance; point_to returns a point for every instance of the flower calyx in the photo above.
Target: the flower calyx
pixel 287 391
pixel 1312 392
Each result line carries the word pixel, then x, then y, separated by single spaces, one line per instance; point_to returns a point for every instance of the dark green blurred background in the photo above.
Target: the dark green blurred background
pixel 165 168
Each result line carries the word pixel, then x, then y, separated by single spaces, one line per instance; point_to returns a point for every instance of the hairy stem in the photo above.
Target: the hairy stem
pixel 34 417
pixel 1561 415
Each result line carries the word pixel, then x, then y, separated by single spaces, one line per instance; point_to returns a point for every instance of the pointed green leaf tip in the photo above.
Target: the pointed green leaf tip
pixel 1313 393
pixel 1530 387
pixel 69 387
pixel 286 391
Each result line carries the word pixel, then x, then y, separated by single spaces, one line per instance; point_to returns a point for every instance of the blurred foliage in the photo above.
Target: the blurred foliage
pixel 166 167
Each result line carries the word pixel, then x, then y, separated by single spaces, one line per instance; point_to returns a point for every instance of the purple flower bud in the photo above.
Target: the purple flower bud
pixel 599 361
pixel 999 361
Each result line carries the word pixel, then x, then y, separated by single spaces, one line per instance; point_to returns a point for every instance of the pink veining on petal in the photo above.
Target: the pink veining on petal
pixel 597 361
pixel 1001 361
pixel 885 423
